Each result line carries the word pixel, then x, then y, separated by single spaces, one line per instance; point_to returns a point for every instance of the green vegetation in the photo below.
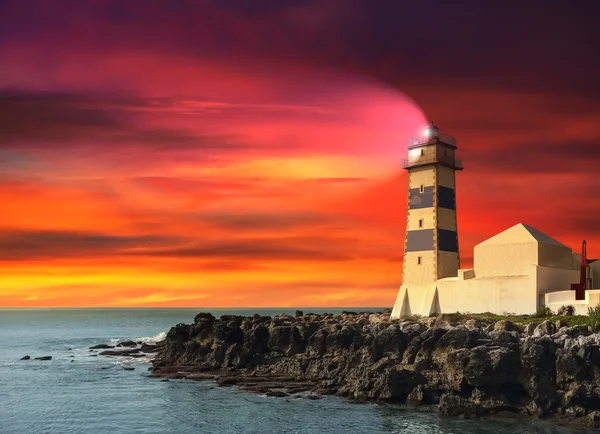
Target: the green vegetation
pixel 568 310
pixel 568 321
pixel 565 315
pixel 543 312
pixel 594 316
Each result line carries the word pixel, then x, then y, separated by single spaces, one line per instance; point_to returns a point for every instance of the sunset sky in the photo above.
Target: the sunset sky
pixel 248 153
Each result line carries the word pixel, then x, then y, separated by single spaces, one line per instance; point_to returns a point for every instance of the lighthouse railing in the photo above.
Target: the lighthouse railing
pixel 419 160
pixel 444 138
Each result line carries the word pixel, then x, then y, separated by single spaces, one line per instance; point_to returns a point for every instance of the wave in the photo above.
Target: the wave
pixel 152 339
pixel 144 339
pixel 128 361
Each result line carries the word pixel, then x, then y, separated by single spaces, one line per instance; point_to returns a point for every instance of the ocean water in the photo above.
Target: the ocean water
pixel 78 393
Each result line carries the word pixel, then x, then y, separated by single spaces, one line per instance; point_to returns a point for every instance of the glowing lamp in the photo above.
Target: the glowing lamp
pixel 432 131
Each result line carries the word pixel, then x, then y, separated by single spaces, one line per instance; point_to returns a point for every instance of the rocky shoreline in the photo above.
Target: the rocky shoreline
pixel 465 367
pixel 471 368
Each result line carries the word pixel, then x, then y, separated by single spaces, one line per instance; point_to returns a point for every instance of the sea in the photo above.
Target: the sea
pixel 78 392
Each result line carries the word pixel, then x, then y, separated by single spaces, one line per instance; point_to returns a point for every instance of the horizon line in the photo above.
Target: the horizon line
pixel 183 307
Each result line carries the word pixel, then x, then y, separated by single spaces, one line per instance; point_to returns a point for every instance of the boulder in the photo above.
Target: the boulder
pixel 530 328
pixel 286 340
pixel 121 353
pixel 376 319
pixel 417 396
pixel 126 344
pixel 149 348
pixel 204 318
pixel 546 328
pixel 489 368
pixel 316 345
pixel 574 331
pixel 277 393
pixel 412 329
pixel 503 337
pixel 101 347
pixel 505 325
pixel 447 321
pixel 453 405
pixel 537 375
pixel 43 358
pixel 394 385
pixel 475 324
pixel 25 358
pixel 458 337
pixel 571 368
pixel 392 340
pixel 593 419
pixel 340 341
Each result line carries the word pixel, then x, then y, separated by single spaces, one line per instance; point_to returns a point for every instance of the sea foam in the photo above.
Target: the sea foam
pixel 152 339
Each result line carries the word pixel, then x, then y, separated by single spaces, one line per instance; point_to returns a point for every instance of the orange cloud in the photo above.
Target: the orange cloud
pixel 212 192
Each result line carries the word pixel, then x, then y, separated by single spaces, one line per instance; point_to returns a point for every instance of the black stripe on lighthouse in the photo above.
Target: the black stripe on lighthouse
pixel 447 241
pixel 419 241
pixel 418 200
pixel 446 197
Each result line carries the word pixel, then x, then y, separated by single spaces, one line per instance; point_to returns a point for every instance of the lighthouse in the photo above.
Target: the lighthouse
pixel 516 271
pixel 431 243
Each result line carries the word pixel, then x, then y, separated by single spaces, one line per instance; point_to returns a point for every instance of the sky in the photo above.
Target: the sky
pixel 231 153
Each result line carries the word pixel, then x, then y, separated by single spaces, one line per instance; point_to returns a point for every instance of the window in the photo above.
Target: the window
pixel 420 223
pixel 422 152
pixel 419 260
pixel 422 189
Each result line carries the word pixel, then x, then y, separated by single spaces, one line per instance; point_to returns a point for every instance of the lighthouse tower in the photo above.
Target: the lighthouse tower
pixel 431 244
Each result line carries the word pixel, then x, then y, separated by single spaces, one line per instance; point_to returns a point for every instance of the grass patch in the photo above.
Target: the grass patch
pixel 569 321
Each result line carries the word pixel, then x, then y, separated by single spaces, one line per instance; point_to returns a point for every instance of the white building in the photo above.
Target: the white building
pixel 514 272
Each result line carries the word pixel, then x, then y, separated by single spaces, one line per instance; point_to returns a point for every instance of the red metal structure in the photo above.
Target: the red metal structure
pixel 580 287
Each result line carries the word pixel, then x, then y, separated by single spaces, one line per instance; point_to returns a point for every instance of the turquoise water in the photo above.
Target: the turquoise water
pixel 78 393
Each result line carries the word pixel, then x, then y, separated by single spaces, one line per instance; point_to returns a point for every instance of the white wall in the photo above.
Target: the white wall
pixel 555 300
pixel 595 274
pixel 501 295
pixel 555 279
pixel 554 256
pixel 499 260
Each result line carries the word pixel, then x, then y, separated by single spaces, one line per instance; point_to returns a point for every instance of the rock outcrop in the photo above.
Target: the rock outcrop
pixel 471 368
pixel 43 358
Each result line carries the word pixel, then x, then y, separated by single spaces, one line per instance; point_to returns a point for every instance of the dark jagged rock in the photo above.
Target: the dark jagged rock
pixel 26 358
pixel 129 353
pixel 468 368
pixel 545 329
pixel 125 344
pixel 101 347
pixel 43 358
pixel 277 393
pixel 204 317
pixel 149 348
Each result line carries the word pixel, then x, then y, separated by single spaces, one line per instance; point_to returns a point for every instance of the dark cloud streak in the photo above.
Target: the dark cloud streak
pixel 504 45
pixel 49 120
pixel 32 245
pixel 577 156
pixel 36 245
